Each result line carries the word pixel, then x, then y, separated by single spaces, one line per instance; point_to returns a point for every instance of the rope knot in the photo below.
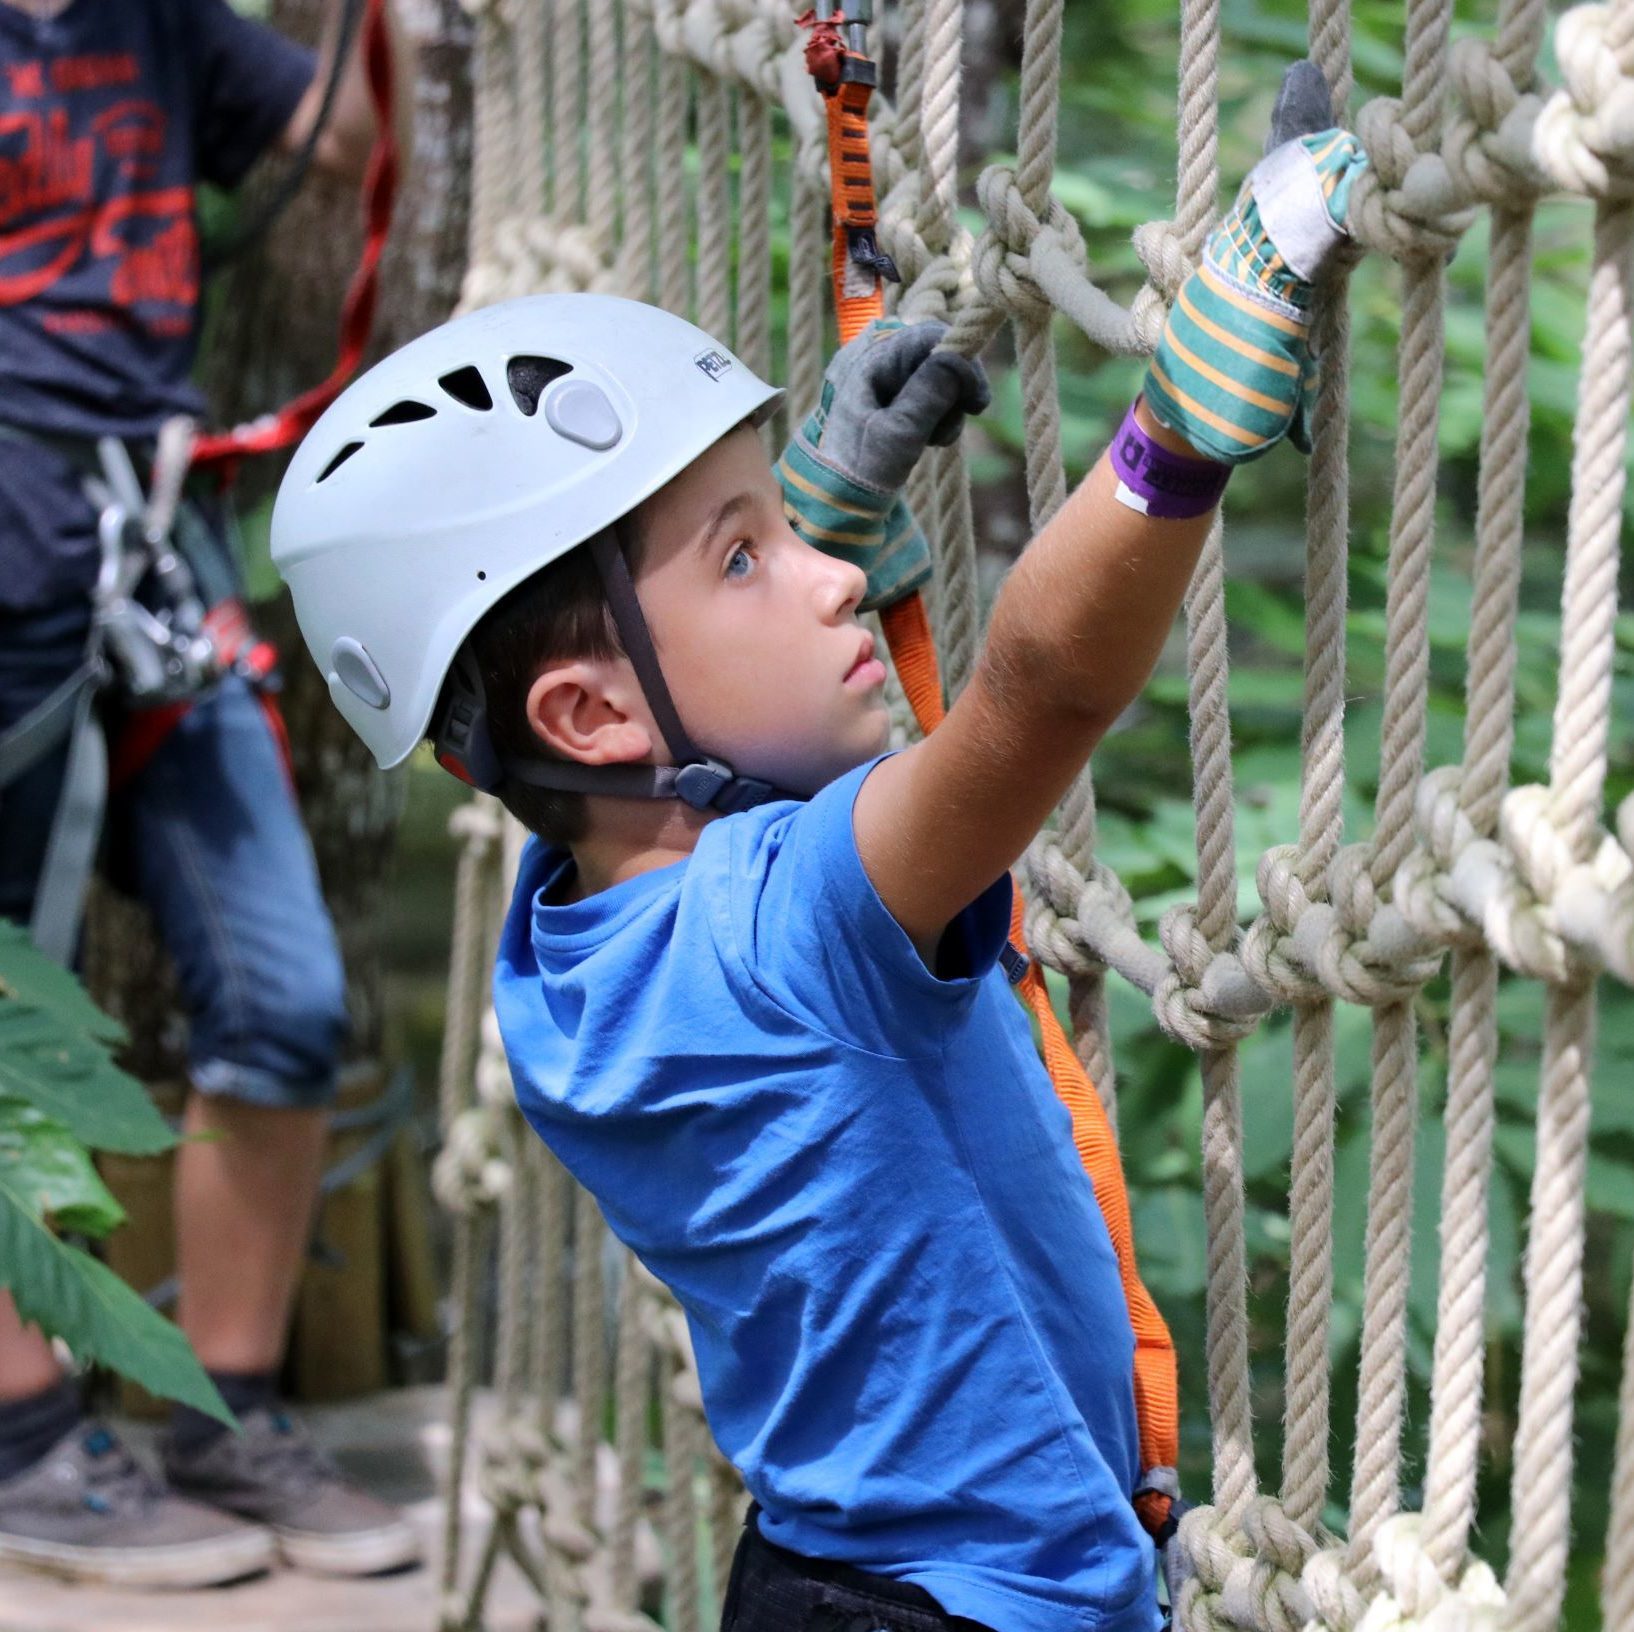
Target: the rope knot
pixel 1231 1579
pixel 1584 137
pixel 1488 142
pixel 1361 949
pixel 470 1171
pixel 1266 950
pixel 1018 246
pixel 1062 902
pixel 1443 829
pixel 1206 1000
pixel 1163 254
pixel 1336 1601
pixel 1417 1599
pixel 514 1465
pixel 1407 204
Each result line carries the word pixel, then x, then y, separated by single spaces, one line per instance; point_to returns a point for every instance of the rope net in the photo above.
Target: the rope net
pixel 648 147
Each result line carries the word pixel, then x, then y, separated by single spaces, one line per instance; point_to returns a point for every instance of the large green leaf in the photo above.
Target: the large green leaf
pixel 29 976
pixel 68 1294
pixel 54 1053
pixel 44 1164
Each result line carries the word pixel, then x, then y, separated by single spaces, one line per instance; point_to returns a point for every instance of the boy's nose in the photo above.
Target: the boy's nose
pixel 842 586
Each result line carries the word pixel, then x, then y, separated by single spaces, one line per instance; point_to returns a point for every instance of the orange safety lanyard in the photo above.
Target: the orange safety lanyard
pixel 836 56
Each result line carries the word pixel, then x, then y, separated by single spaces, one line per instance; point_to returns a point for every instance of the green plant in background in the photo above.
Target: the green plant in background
pixel 62 1097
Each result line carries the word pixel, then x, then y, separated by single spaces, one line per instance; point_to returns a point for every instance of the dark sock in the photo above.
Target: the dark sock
pixel 29 1427
pixel 243 1391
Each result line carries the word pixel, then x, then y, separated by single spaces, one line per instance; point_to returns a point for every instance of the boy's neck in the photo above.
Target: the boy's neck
pixel 628 837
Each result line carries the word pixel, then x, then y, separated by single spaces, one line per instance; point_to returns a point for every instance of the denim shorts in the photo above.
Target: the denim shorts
pixel 209 836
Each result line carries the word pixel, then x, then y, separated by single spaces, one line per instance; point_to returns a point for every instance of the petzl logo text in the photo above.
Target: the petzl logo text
pixel 715 364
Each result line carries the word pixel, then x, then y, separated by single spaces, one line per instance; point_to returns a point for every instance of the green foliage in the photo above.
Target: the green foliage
pixel 61 1096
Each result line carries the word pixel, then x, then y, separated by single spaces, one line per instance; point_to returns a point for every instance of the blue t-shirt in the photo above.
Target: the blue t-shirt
pixel 858 1182
pixel 110 113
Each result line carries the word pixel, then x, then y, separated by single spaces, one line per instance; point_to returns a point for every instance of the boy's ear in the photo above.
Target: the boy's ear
pixel 585 710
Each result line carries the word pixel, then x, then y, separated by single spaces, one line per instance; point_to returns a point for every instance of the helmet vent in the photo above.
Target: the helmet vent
pixel 340 459
pixel 403 413
pixel 528 377
pixel 466 385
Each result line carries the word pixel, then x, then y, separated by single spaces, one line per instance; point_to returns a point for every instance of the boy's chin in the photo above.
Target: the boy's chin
pixel 812 778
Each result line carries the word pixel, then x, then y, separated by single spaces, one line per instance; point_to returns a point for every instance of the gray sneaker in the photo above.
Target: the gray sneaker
pixel 88 1511
pixel 273 1474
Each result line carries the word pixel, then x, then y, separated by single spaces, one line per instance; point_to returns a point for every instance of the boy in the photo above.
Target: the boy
pixel 750 982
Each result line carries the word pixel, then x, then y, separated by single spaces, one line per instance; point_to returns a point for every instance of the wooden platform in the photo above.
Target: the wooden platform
pixel 396 1444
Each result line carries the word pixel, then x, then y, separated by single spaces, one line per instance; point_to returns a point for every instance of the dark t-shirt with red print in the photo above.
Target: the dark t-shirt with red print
pixel 110 112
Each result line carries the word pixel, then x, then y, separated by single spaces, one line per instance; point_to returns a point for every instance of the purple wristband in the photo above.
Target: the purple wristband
pixel 1161 484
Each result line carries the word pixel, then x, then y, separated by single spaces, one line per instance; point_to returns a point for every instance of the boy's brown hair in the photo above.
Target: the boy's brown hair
pixel 557 615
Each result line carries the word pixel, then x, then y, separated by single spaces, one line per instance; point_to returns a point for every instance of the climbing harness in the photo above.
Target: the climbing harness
pixel 167 619
pixel 836 57
pixel 166 625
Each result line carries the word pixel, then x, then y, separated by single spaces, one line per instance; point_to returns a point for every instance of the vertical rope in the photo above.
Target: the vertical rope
pixel 526 159
pixel 631 1385
pixel 753 337
pixel 637 267
pixel 808 281
pixel 674 263
pixel 680 1506
pixel 490 138
pixel 1375 1487
pixel 1541 1497
pixel 1321 830
pixel 567 109
pixel 601 175
pixel 1455 1395
pixel 714 203
pixel 1619 1579
pixel 937 139
pixel 589 1349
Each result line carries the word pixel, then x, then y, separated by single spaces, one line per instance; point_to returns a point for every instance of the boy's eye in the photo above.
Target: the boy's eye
pixel 740 562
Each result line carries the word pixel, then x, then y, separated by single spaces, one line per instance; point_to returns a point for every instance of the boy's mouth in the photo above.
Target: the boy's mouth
pixel 867 670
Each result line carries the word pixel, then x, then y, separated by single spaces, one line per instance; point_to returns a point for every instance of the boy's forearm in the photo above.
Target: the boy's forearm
pixel 1083 616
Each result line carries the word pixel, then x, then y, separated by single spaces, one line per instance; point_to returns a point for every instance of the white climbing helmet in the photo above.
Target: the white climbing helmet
pixel 465 462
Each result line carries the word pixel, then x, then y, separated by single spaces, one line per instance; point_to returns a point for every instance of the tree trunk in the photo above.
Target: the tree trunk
pixel 272 333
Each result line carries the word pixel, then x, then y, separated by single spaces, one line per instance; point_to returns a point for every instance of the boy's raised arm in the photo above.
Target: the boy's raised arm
pixel 1075 634
pixel 1083 615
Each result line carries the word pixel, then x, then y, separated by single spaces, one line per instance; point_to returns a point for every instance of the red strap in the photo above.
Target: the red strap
pixel 290 423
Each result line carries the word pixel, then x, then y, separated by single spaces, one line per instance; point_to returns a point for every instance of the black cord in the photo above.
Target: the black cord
pixel 218 255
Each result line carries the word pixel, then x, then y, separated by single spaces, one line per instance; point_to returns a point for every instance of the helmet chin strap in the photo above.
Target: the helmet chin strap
pixel 462 744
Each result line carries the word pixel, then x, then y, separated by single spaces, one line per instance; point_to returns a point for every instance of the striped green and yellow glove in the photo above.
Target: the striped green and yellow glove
pixel 1233 373
pixel 887 396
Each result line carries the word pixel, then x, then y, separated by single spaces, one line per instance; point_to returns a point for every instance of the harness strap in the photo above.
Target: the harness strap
pixel 27 741
pixel 76 831
pixel 845 76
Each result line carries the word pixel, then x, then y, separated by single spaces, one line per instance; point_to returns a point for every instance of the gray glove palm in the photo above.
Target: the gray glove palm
pixel 887 396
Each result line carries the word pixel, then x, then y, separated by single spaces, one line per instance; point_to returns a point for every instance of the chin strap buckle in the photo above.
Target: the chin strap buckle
pixel 707 784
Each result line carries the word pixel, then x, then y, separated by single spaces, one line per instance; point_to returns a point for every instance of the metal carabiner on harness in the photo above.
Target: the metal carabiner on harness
pixel 160 653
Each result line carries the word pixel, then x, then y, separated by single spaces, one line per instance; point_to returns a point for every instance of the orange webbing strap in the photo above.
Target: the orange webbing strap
pixel 859 292
pixel 913 655
pixel 846 81
pixel 1157 1408
pixel 1157 1384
